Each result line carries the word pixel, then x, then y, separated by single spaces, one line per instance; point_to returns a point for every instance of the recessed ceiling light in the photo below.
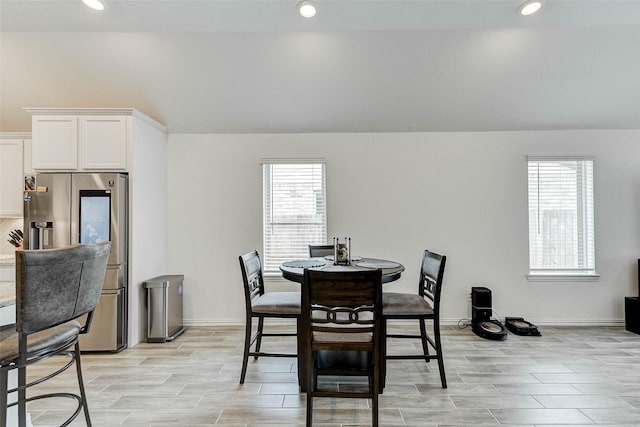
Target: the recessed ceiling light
pixel 530 7
pixel 94 4
pixel 307 9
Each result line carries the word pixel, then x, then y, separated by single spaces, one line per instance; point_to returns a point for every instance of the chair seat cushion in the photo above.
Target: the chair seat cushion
pixel 277 303
pixel 399 304
pixel 38 341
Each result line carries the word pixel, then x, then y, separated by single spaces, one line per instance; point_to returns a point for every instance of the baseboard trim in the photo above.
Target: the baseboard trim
pixel 444 322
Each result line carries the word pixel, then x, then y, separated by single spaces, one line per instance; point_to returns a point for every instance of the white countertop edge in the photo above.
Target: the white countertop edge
pixel 7 293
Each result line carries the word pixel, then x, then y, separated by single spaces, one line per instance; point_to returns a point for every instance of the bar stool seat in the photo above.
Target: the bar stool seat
pixel 38 342
pixel 277 303
pixel 410 305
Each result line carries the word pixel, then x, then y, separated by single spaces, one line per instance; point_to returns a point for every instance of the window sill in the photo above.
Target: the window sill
pixel 593 277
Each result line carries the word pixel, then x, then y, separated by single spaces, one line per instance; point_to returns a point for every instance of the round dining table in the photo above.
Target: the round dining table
pixel 294 270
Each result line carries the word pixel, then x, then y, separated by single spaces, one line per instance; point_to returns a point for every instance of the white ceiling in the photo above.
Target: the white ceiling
pixel 256 66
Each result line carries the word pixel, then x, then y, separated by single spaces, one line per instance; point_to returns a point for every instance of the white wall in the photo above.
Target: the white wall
pixel 148 219
pixel 395 194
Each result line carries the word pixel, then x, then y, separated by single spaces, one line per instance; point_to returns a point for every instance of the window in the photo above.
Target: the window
pixel 294 210
pixel 561 229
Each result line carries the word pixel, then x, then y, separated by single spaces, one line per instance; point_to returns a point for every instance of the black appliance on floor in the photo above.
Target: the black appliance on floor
pixel 632 310
pixel 519 326
pixel 481 322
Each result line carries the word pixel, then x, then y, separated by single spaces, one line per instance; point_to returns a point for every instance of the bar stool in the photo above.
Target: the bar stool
pixel 260 305
pixel 54 288
pixel 320 250
pixel 423 306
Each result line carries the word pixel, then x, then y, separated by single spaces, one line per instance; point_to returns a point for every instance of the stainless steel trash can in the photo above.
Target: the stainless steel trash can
pixel 164 307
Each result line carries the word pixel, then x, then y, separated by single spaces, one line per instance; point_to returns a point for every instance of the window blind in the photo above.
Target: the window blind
pixel 294 211
pixel 561 220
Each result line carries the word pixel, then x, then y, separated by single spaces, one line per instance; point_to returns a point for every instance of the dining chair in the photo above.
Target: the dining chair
pixel 54 289
pixel 320 250
pixel 423 306
pixel 260 305
pixel 342 314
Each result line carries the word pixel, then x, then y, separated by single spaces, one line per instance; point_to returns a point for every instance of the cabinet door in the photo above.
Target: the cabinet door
pixel 54 142
pixel 103 142
pixel 11 177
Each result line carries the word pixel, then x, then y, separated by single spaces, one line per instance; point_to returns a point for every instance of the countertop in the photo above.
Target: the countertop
pixel 9 259
pixel 7 293
pixel 7 280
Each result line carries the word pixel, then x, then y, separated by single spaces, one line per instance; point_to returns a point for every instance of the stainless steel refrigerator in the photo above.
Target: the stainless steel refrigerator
pixel 68 208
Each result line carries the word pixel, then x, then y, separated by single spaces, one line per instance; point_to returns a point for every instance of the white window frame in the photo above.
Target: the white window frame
pixel 569 192
pixel 294 245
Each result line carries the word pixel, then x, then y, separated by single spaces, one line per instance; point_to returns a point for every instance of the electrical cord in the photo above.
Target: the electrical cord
pixel 464 323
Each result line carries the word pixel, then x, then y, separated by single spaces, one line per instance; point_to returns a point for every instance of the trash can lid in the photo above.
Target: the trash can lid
pixel 163 281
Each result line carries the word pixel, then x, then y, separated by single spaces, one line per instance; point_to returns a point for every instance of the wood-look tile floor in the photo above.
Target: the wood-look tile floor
pixel 580 376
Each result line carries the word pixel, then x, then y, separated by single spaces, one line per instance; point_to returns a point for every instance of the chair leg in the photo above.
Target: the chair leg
pixel 301 350
pixel 247 343
pixel 311 384
pixel 83 394
pixel 370 377
pixel 374 410
pixel 376 387
pixel 259 335
pixel 383 355
pixel 425 341
pixel 4 395
pixel 22 396
pixel 309 409
pixel 436 335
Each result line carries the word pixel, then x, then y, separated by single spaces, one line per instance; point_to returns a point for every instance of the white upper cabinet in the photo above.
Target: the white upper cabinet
pixel 11 177
pixel 54 142
pixel 103 142
pixel 78 142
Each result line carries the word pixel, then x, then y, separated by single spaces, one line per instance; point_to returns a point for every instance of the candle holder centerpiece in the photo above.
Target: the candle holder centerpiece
pixel 342 251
